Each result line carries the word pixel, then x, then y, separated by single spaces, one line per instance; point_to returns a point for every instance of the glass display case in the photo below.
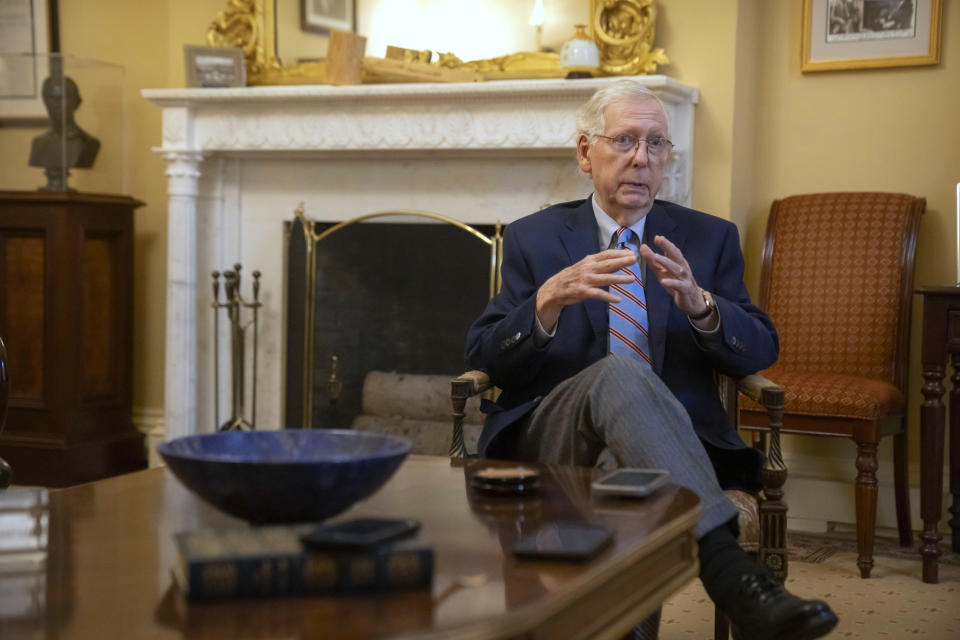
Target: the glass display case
pixel 84 102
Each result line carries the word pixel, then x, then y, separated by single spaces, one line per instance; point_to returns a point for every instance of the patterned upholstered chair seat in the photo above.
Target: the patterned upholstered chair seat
pixel 834 394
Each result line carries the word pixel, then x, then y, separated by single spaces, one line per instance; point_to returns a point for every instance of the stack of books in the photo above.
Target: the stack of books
pixel 266 561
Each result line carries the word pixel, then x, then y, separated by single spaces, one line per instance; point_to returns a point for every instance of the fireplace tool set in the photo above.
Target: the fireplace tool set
pixel 241 315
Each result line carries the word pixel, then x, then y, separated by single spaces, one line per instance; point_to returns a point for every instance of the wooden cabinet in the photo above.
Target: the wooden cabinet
pixel 66 315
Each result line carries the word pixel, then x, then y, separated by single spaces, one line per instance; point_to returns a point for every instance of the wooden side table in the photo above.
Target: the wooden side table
pixel 66 315
pixel 941 336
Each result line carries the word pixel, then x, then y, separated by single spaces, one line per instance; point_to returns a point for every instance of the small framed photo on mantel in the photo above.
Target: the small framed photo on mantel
pixel 214 66
pixel 870 34
pixel 322 16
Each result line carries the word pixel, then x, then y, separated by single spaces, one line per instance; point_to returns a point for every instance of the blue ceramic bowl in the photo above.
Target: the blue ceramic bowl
pixel 293 475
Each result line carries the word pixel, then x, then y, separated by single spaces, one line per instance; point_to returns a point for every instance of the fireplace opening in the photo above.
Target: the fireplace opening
pixel 392 292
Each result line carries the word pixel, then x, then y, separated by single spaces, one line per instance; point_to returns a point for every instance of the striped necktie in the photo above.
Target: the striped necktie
pixel 628 318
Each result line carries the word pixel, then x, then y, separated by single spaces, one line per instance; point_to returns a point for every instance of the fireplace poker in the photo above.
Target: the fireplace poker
pixel 235 304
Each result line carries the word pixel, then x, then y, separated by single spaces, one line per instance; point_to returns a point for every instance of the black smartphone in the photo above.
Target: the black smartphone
pixel 564 541
pixel 358 533
pixel 631 482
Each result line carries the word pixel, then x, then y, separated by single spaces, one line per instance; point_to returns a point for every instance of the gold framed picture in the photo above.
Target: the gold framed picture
pixel 870 34
pixel 322 16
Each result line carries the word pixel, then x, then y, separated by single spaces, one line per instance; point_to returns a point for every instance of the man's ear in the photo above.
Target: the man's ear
pixel 583 153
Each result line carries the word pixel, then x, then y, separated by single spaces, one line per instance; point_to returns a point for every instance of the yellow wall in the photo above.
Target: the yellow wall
pixel 699 37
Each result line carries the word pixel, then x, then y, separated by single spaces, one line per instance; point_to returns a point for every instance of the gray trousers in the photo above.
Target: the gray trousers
pixel 618 413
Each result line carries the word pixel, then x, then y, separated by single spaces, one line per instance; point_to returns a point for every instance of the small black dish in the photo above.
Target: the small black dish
pixel 514 488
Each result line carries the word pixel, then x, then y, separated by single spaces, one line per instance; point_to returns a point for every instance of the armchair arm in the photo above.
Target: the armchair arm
pixel 462 388
pixel 754 385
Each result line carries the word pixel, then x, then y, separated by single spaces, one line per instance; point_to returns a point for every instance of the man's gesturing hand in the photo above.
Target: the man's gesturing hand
pixel 581 281
pixel 673 272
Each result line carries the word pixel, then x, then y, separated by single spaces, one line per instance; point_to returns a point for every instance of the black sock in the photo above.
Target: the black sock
pixel 722 562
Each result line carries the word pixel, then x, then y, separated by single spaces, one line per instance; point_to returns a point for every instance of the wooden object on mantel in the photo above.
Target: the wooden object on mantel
pixel 387 70
pixel 344 64
pixel 66 315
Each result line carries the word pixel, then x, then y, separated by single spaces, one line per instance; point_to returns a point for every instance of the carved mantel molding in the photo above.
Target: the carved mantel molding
pixel 508 115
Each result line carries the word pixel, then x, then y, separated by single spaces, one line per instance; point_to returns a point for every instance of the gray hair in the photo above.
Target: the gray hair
pixel 590 119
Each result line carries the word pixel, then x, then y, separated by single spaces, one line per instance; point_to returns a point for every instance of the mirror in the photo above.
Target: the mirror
pixel 495 37
pixel 470 29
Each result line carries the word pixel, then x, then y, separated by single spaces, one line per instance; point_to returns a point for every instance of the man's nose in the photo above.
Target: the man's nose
pixel 639 157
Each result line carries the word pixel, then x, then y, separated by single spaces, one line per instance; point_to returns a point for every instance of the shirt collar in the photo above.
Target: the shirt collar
pixel 607 225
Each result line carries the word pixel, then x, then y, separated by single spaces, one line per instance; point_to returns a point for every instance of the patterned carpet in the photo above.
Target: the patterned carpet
pixel 815 548
pixel 894 603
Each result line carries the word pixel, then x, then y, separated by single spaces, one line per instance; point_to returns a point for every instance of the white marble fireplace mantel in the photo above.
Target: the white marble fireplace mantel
pixel 239 161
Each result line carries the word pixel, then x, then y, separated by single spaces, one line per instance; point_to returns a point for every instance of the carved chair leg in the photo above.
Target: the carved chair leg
pixel 721 625
pixel 461 389
pixel 866 500
pixel 901 487
pixel 457 448
pixel 773 509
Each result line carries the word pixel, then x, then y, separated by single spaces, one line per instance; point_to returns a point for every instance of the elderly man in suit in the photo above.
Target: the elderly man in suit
pixel 615 312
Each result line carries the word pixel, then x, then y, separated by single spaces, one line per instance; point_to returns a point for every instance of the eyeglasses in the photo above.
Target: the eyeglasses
pixel 657 148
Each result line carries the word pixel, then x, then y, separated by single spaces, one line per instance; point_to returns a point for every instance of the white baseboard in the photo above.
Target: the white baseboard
pixel 820 488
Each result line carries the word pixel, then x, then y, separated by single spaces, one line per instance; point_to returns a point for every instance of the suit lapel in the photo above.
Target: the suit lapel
pixel 579 237
pixel 659 302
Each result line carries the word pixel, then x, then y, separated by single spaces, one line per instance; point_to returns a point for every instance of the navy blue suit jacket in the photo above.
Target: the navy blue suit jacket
pixel 536 247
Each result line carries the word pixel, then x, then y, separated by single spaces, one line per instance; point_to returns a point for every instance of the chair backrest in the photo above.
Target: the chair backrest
pixel 837 280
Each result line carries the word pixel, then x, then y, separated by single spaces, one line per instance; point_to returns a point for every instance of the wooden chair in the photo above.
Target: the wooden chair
pixel 837 279
pixel 762 519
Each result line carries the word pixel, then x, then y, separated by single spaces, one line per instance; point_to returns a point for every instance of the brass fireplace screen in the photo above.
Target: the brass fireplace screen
pixel 378 296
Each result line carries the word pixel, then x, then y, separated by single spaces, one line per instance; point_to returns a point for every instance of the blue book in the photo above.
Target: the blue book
pixel 267 561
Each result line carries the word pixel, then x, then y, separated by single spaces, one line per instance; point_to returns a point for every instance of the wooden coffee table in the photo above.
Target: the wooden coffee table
pixel 111 551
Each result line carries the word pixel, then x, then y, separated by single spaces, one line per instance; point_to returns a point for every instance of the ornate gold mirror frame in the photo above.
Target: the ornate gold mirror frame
pixel 622 29
pixel 251 25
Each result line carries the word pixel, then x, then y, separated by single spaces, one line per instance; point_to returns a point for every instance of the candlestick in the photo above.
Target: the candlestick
pixel 536 21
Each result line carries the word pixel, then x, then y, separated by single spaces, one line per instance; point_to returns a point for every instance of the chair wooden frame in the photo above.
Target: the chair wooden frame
pixel 866 433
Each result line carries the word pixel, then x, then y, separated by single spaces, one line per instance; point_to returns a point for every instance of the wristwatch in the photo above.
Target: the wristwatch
pixel 711 306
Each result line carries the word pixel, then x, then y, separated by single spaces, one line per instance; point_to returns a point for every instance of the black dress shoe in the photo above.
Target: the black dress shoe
pixel 763 610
